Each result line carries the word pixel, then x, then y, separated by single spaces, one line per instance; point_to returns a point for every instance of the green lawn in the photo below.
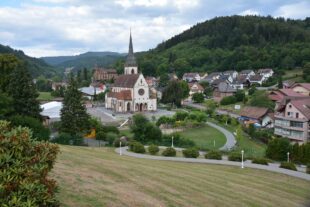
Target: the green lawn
pixel 205 136
pixel 231 107
pixel 45 96
pixel 126 132
pixel 92 177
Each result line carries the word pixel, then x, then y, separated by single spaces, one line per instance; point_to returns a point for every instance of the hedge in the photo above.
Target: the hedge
pixel 214 155
pixel 235 156
pixel 191 153
pixel 136 147
pixel 288 165
pixel 261 161
pixel 169 152
pixel 153 149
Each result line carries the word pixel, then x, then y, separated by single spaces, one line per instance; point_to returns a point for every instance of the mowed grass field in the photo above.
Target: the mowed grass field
pixel 205 136
pixel 100 177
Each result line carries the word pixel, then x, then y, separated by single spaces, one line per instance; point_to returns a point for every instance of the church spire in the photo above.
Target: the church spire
pixel 131 60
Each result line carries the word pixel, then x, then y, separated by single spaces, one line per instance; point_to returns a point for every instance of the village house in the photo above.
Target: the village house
pixel 259 116
pixel 257 79
pixel 101 74
pixel 194 88
pixel 57 85
pixel 266 73
pixel 288 84
pixel 247 73
pixel 191 77
pixel 236 84
pixel 212 77
pixel 151 81
pixel 279 96
pixel 292 120
pixel 301 88
pixel 91 91
pixel 130 92
pixel 232 73
pixel 226 78
pixel 222 90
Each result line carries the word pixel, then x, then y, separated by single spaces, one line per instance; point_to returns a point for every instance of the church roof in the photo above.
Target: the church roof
pixel 122 95
pixel 131 60
pixel 126 81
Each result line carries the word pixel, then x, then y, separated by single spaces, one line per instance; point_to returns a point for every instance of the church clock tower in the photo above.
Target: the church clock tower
pixel 131 66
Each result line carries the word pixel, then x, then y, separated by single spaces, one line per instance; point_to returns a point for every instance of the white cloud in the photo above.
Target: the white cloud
pixel 297 11
pixel 249 12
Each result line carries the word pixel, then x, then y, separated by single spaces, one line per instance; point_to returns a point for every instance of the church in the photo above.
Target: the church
pixel 130 92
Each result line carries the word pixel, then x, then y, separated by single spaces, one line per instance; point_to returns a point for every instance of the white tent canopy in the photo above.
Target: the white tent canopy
pixel 51 109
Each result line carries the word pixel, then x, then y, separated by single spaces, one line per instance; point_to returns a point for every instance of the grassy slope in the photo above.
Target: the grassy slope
pixel 100 177
pixel 45 96
pixel 204 137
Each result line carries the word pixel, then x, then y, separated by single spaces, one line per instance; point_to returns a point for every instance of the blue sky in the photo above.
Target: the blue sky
pixel 67 27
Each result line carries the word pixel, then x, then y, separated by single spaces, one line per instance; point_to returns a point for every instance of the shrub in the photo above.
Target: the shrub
pixel 117 141
pixel 277 149
pixel 111 137
pixel 308 168
pixel 68 139
pixel 214 155
pixel 24 170
pixel 191 152
pixel 153 149
pixel 261 161
pixel 169 152
pixel 228 100
pixel 235 156
pixel 288 165
pixel 136 147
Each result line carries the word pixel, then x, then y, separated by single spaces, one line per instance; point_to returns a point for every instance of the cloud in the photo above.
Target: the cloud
pixel 296 11
pixel 64 27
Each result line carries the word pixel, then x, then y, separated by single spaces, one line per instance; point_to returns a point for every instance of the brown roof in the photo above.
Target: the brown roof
pixel 122 95
pixel 199 87
pixel 254 112
pixel 265 70
pixel 256 77
pixel 126 81
pixel 303 105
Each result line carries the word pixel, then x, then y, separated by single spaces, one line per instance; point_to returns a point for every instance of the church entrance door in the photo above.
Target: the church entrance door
pixel 141 107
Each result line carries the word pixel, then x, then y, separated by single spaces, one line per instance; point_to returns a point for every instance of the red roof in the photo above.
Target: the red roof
pixel 254 112
pixel 290 92
pixel 122 95
pixel 303 105
pixel 304 85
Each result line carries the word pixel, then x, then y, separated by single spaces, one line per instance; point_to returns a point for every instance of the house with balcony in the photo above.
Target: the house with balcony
pixel 292 120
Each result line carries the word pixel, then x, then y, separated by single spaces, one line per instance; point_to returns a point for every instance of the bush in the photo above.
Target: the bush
pixel 228 100
pixel 178 141
pixel 191 152
pixel 308 168
pixel 169 152
pixel 214 155
pixel 136 147
pixel 24 170
pixel 235 156
pixel 153 149
pixel 261 161
pixel 288 165
pixel 198 97
pixel 68 139
pixel 111 137
pixel 117 141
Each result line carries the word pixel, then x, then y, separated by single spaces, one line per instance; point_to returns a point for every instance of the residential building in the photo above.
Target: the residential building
pixel 259 116
pixel 247 73
pixel 57 85
pixel 212 77
pixel 257 79
pixel 292 120
pixel 222 90
pixel 279 96
pixel 232 73
pixel 91 91
pixel 236 84
pixel 288 84
pixel 301 88
pixel 191 77
pixel 130 92
pixel 195 88
pixel 151 81
pixel 266 73
pixel 102 74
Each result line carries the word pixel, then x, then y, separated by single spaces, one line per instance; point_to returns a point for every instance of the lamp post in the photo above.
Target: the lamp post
pixel 242 164
pixel 288 157
pixel 172 141
pixel 214 143
pixel 120 148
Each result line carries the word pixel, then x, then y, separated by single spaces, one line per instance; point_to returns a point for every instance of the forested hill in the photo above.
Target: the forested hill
pixel 36 66
pixel 235 42
pixel 85 60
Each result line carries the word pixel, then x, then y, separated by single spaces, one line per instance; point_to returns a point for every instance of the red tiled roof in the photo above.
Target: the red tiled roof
pixel 290 92
pixel 254 112
pixel 304 85
pixel 199 87
pixel 303 105
pixel 122 95
pixel 126 81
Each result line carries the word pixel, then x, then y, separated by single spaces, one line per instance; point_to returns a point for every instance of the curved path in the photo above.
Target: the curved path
pixel 273 167
pixel 230 138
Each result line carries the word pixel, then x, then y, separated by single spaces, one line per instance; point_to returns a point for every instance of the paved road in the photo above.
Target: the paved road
pixel 230 138
pixel 273 167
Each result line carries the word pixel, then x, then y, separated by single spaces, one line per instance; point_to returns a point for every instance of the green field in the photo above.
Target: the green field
pixel 205 136
pixel 45 96
pixel 100 177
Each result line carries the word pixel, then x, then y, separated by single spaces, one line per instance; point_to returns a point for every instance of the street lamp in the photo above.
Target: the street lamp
pixel 120 148
pixel 242 164
pixel 288 157
pixel 172 141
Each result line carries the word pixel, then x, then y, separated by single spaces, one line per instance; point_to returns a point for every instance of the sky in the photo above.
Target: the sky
pixel 70 27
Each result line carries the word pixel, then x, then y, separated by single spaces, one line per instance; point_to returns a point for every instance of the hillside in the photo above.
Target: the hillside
pixel 36 66
pixel 235 42
pixel 85 60
pixel 100 177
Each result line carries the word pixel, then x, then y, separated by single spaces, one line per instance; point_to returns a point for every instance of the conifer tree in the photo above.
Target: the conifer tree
pixel 24 93
pixel 74 118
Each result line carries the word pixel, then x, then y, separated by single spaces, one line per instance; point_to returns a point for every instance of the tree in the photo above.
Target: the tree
pixel 252 90
pixel 228 100
pixel 240 95
pixel 8 63
pixel 85 74
pixel 260 99
pixel 74 118
pixel 174 93
pixel 208 91
pixel 280 82
pixel 306 72
pixel 163 80
pixel 100 136
pixel 278 148
pixel 185 89
pixel 25 164
pixel 198 97
pixel 5 105
pixel 24 93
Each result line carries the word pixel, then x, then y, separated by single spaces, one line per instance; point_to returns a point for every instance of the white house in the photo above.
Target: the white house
pixel 259 79
pixel 266 73
pixel 232 73
pixel 191 77
pixel 91 91
pixel 247 73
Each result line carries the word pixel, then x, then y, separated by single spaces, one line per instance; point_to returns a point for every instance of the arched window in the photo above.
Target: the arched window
pixel 132 71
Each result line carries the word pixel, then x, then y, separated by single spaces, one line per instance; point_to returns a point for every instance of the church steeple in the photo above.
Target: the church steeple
pixel 131 66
